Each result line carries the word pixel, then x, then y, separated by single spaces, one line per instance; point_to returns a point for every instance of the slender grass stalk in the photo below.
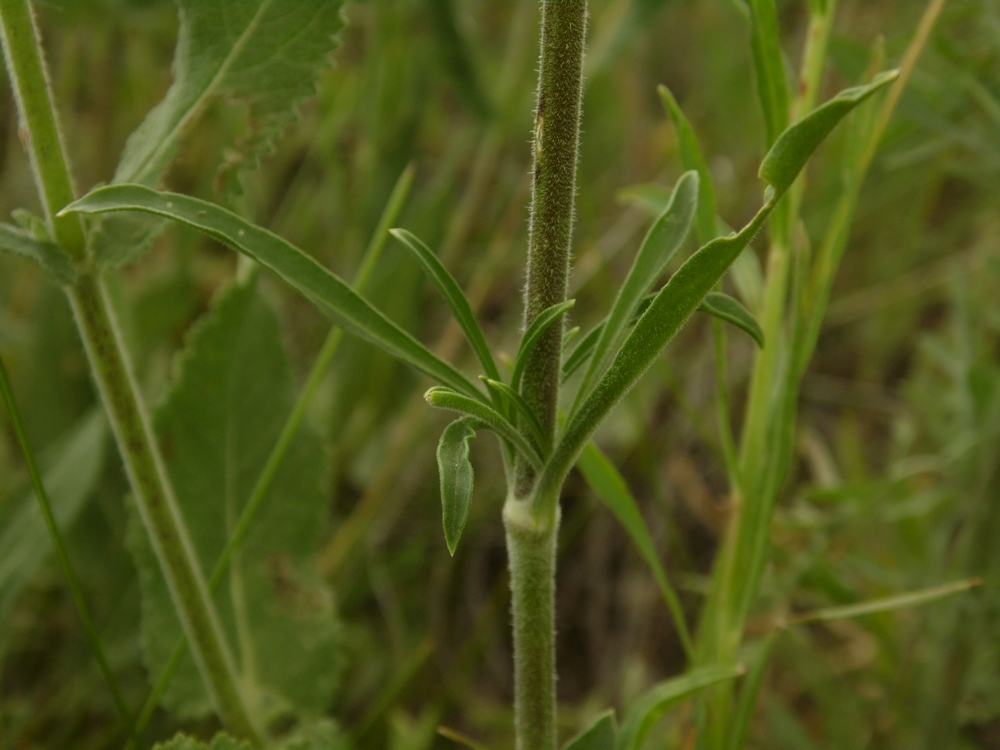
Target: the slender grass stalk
pixel 112 372
pixel 532 526
pixel 76 591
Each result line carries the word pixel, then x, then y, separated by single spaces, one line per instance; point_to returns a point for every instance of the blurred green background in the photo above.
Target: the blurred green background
pixel 896 485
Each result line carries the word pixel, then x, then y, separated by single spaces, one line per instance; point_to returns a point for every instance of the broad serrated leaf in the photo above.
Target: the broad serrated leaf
pixel 263 54
pixel 793 147
pixel 609 485
pixel 724 307
pixel 326 290
pixel 48 255
pixel 221 741
pixel 70 470
pixel 647 711
pixel 602 734
pixel 659 246
pixel 217 427
pixel 453 296
pixel 456 474
pixel 445 398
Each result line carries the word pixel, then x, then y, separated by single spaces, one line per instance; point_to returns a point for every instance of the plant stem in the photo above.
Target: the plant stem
pixel 553 190
pixel 531 547
pixel 109 364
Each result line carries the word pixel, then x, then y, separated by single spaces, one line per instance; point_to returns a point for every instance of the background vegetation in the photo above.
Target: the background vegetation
pixel 895 486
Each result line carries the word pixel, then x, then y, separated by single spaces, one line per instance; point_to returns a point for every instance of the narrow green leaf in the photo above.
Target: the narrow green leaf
pixel 692 158
pixel 651 707
pixel 609 485
pixel 455 472
pixel 794 146
pixel 724 307
pixel 519 407
pixel 531 336
pixel 48 255
pixel 662 241
pixel 757 656
pixel 769 66
pixel 602 734
pixel 446 398
pixel 889 603
pixel 585 348
pixel 453 295
pixel 326 290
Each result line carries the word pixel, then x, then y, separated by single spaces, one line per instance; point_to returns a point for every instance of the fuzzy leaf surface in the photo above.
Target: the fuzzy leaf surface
pixel 456 474
pixel 70 470
pixel 48 255
pixel 724 307
pixel 265 55
pixel 326 290
pixel 602 734
pixel 233 392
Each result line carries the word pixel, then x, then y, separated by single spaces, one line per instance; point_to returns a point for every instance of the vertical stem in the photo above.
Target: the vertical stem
pixel 109 364
pixel 553 190
pixel 531 547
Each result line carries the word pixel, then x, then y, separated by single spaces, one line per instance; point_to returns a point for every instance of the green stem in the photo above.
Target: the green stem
pixel 553 191
pixel 109 364
pixel 63 555
pixel 531 547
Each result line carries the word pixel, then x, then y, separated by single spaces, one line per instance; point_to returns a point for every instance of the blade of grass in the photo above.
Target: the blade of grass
pixel 326 290
pixel 888 603
pixel 72 582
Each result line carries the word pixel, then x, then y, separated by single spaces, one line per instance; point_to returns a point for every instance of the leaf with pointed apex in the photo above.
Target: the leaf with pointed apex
pixel 602 734
pixel 48 255
pixel 661 243
pixel 264 55
pixel 218 425
pixel 724 307
pixel 446 398
pixel 221 741
pixel 531 336
pixel 453 296
pixel 692 158
pixel 456 474
pixel 517 406
pixel 324 289
pixel 661 698
pixel 793 147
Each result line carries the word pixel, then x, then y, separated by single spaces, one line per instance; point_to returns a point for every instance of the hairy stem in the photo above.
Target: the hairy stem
pixel 109 364
pixel 531 547
pixel 553 190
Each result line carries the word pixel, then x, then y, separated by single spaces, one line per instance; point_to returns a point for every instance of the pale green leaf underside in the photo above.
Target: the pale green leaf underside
pixel 456 475
pixel 48 255
pixel 724 307
pixel 217 427
pixel 602 734
pixel 661 698
pixel 453 296
pixel 327 291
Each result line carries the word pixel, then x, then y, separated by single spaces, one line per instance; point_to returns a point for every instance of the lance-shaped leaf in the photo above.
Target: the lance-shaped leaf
pixel 602 734
pixel 769 66
pixel 692 158
pixel 662 241
pixel 609 485
pixel 325 289
pixel 724 307
pixel 518 407
pixel 263 55
pixel 48 255
pixel 454 296
pixel 455 472
pixel 531 336
pixel 644 715
pixel 585 348
pixel 446 398
pixel 793 147
pixel 685 290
